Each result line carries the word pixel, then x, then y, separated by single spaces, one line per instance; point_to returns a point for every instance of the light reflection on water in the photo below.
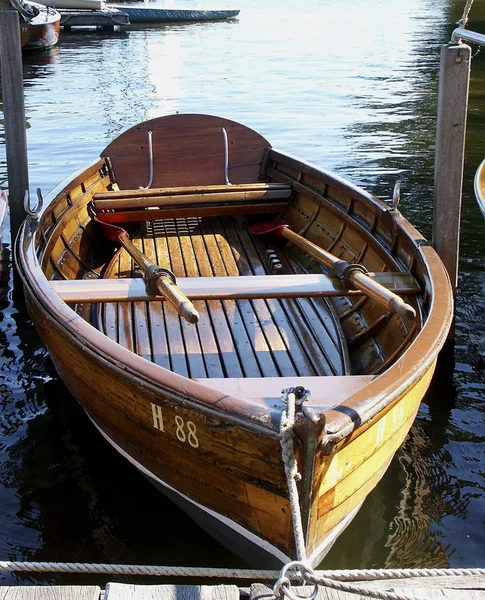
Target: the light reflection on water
pixel 350 86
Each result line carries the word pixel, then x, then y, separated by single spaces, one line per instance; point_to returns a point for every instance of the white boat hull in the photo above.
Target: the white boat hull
pixel 154 14
pixel 74 4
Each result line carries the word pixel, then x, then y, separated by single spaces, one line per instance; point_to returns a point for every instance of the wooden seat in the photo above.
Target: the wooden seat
pixel 166 203
pixel 266 392
pixel 131 289
pixel 109 199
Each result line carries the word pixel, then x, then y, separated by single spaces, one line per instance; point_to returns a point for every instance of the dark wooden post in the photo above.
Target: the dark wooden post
pixel 14 115
pixel 450 153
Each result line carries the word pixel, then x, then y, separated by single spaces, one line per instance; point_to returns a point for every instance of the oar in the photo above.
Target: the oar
pixel 156 278
pixel 351 273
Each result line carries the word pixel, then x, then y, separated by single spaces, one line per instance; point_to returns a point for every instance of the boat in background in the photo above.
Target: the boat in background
pixel 480 187
pixel 39 25
pixel 187 336
pixel 3 212
pixel 152 13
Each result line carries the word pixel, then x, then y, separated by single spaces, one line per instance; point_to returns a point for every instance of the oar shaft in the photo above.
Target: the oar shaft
pixel 165 287
pixel 140 259
pixel 356 278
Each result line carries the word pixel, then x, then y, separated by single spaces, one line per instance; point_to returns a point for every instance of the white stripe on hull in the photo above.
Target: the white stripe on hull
pixel 238 529
pixel 314 559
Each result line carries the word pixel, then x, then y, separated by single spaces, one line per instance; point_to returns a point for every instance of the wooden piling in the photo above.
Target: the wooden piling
pixel 450 153
pixel 14 115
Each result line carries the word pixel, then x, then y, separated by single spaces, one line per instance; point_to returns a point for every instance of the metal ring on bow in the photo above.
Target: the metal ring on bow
pixel 283 586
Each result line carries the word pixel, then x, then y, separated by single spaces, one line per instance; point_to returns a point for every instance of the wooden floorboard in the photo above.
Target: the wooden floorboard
pixel 234 338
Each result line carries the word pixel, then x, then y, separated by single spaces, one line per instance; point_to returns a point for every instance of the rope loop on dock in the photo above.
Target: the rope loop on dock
pixel 283 586
pixel 317 579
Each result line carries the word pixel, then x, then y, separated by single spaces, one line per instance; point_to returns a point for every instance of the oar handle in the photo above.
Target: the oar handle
pixel 165 287
pixel 360 280
pixel 174 295
pixel 380 294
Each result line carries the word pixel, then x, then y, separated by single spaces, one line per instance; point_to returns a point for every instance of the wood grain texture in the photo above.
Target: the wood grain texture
pixel 450 153
pixel 276 331
pixel 59 592
pixel 180 401
pixel 125 591
pixel 220 288
pixel 14 112
pixel 414 588
pixel 194 141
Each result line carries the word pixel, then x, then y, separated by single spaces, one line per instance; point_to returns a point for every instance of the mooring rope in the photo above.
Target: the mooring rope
pixel 333 580
pixel 466 12
pixel 224 573
pixel 153 570
pixel 340 580
pixel 291 470
pixel 283 587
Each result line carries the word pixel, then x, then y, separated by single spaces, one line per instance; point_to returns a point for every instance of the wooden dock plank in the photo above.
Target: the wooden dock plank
pixel 470 587
pixel 48 592
pixel 425 588
pixel 126 591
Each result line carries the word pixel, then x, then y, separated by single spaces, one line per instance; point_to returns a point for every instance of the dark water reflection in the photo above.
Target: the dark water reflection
pixel 351 86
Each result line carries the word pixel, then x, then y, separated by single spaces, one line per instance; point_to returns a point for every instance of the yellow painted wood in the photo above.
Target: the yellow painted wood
pixel 350 474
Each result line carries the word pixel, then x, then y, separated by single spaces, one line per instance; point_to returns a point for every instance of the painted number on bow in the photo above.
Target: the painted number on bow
pixel 186 431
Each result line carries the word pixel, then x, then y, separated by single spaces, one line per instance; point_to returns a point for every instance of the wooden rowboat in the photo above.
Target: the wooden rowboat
pixel 183 372
pixel 480 187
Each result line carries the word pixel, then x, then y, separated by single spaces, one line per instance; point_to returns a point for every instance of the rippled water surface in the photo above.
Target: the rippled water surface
pixel 351 86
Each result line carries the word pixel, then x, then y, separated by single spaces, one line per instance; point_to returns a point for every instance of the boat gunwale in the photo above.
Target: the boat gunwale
pixel 341 420
pixel 343 184
pixel 478 184
pixel 45 18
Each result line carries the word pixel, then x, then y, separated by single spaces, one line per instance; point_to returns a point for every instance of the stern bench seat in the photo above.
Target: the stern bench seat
pixel 118 206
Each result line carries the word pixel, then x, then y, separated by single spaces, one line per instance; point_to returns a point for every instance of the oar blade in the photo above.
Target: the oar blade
pixel 275 227
pixel 112 232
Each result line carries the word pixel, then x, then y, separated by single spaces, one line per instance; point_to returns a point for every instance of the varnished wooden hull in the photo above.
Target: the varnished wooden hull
pixel 212 440
pixel 41 32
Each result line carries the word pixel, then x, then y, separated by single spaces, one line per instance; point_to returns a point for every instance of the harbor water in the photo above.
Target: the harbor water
pixel 351 86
